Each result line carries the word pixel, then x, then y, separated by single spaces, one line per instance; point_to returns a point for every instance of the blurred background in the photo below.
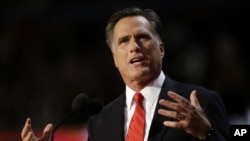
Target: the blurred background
pixel 51 51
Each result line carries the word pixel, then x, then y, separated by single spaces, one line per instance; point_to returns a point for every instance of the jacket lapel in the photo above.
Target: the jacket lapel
pixel 117 120
pixel 157 130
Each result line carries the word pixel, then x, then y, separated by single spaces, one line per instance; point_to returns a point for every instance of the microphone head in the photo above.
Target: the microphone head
pixel 80 102
pixel 95 106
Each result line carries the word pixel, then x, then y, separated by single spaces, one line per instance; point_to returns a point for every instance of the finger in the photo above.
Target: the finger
pixel 178 98
pixel 183 101
pixel 193 99
pixel 173 124
pixel 171 114
pixel 167 113
pixel 27 128
pixel 47 132
pixel 173 105
pixel 28 137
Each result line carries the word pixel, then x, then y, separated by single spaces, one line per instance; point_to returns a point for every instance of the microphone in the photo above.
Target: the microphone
pixel 95 106
pixel 81 104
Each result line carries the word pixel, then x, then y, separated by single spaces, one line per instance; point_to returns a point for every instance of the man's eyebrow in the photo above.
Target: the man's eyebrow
pixel 142 34
pixel 123 38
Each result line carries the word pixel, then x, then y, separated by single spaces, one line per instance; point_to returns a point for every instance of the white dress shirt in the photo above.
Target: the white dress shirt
pixel 151 93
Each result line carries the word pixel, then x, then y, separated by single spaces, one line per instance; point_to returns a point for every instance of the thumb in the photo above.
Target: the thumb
pixel 193 99
pixel 47 132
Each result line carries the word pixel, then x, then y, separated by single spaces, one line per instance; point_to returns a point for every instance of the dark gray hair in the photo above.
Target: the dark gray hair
pixel 149 14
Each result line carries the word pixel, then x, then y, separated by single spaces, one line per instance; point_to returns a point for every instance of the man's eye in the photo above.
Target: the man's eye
pixel 143 37
pixel 123 40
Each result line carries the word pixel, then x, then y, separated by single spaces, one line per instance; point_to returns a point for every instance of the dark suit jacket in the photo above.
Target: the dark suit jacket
pixel 108 125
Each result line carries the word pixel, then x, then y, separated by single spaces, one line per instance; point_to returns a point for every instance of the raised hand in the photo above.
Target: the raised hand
pixel 188 115
pixel 28 134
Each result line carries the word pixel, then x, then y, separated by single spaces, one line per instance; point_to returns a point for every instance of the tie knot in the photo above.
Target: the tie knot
pixel 138 98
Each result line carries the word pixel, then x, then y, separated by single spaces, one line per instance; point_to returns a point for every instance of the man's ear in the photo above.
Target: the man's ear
pixel 162 50
pixel 114 58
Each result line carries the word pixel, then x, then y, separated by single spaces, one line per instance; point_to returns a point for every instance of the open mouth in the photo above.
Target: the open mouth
pixel 136 60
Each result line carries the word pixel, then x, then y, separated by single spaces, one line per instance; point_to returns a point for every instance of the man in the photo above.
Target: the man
pixel 170 111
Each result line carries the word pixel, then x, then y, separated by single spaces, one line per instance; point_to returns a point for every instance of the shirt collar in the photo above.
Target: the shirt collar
pixel 150 92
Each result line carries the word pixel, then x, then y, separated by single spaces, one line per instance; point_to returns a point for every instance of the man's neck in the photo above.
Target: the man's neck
pixel 138 84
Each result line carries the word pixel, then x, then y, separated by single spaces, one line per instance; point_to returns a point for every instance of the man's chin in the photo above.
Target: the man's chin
pixel 140 74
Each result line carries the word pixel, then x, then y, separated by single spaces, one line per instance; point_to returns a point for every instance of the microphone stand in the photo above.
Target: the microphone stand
pixel 58 125
pixel 92 108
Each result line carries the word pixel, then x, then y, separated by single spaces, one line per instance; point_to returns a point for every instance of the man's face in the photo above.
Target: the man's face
pixel 137 51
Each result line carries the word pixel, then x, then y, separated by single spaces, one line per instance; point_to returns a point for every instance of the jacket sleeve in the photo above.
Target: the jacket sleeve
pixel 217 115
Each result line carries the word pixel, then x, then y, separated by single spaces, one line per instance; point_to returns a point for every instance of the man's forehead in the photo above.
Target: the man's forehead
pixel 132 24
pixel 132 20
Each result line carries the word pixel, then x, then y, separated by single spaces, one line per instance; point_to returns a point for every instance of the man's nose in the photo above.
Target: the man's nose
pixel 134 46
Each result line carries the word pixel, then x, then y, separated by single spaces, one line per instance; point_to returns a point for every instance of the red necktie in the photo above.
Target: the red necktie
pixel 137 123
